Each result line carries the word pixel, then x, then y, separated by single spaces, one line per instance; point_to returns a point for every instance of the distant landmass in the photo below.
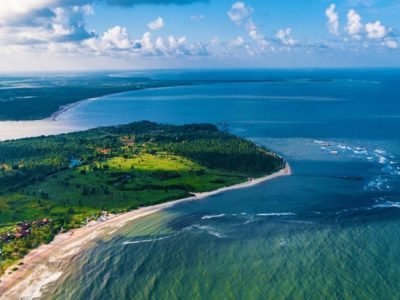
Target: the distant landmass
pixel 40 97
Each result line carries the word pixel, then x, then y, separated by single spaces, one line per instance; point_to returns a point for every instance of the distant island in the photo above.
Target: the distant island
pixel 52 184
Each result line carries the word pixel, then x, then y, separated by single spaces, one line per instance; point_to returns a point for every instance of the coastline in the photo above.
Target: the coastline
pixel 41 266
pixel 65 108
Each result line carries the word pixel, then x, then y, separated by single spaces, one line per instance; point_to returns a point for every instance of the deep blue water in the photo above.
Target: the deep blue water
pixel 330 231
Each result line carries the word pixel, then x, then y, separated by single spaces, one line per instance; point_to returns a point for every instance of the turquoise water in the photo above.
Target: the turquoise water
pixel 330 231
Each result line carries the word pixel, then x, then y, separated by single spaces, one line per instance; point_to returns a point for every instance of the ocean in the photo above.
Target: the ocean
pixel 329 231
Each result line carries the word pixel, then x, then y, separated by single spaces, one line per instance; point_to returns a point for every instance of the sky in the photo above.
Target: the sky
pixel 55 35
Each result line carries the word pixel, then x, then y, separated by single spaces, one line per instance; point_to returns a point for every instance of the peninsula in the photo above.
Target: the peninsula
pixel 50 185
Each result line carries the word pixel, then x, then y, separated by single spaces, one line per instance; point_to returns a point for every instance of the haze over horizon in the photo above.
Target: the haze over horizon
pixel 49 35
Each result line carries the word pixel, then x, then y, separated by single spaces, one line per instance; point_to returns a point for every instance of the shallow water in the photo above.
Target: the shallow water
pixel 329 231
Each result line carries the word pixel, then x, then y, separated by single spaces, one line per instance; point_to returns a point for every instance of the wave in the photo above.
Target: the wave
pixel 382 160
pixel 380 183
pixel 208 217
pixel 389 163
pixel 210 230
pixel 380 151
pixel 276 214
pixel 146 241
pixel 388 204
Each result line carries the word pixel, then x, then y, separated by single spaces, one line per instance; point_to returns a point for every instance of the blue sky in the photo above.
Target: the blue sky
pixel 130 34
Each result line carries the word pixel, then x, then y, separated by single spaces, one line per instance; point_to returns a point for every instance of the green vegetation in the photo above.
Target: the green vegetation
pixel 48 184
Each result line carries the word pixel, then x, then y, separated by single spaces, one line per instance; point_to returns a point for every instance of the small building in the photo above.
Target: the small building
pixel 104 151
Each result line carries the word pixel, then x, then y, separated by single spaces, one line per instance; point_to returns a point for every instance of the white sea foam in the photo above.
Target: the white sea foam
pixel 380 151
pixel 382 160
pixel 210 230
pixel 319 142
pixel 390 165
pixel 146 241
pixel 276 214
pixel 207 217
pixel 388 204
pixel 379 183
pixel 360 152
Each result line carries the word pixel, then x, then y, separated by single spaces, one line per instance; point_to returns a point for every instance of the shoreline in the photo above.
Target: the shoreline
pixel 65 108
pixel 36 272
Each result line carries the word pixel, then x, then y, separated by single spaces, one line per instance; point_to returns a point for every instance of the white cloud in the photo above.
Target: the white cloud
pixel 239 12
pixel 252 30
pixel 42 21
pixel 333 19
pixel 145 44
pixel 285 37
pixel 46 27
pixel 116 37
pixel 12 10
pixel 237 42
pixel 375 30
pixel 156 24
pixel 391 43
pixel 354 25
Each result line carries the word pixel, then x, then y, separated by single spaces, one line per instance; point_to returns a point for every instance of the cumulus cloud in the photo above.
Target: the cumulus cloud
pixel 156 24
pixel 255 35
pixel 333 19
pixel 354 25
pixel 117 40
pixel 237 42
pixel 42 21
pixel 391 43
pixel 285 37
pixel 116 37
pixel 59 25
pixel 239 12
pixel 372 33
pixel 375 30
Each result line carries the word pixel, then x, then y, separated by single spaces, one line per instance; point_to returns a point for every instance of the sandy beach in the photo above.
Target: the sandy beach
pixel 44 264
